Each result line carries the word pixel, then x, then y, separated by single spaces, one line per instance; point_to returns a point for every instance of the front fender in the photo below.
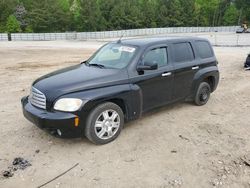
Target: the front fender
pixel 124 93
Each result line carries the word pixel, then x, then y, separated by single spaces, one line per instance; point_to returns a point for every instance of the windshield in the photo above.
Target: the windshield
pixel 113 55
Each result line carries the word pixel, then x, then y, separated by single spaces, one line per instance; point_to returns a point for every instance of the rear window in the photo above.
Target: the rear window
pixel 204 49
pixel 183 52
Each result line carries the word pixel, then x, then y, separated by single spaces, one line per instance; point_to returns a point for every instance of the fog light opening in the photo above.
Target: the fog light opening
pixel 59 132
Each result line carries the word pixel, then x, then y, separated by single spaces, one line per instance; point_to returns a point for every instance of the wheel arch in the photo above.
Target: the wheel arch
pixel 209 75
pixel 121 103
pixel 211 81
pixel 116 100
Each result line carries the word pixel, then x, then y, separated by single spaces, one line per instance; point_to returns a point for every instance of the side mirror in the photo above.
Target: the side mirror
pixel 147 66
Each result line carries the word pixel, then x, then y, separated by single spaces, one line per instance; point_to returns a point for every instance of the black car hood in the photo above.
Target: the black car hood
pixel 78 78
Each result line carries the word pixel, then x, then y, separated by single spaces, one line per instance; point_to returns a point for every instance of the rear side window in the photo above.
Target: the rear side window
pixel 204 49
pixel 183 52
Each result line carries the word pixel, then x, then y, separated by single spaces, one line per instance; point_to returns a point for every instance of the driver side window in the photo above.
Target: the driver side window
pixel 156 55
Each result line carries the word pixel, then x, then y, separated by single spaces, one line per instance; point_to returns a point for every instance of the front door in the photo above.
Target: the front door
pixel 156 85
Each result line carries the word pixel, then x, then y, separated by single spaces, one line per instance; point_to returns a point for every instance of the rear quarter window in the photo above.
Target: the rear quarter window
pixel 183 52
pixel 204 49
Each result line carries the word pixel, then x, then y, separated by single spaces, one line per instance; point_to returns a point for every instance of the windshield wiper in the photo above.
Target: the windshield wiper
pixel 96 65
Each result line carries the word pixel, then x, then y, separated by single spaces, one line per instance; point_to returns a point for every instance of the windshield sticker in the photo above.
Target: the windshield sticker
pixel 127 49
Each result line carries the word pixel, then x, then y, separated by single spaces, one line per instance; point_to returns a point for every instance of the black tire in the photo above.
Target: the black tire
pixel 203 94
pixel 91 130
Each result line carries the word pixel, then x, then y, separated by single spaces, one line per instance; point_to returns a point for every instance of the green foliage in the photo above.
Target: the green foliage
pixel 170 13
pixel 90 18
pixel 48 17
pixel 64 5
pixel 231 16
pixel 244 7
pixel 29 29
pixel 12 25
pixel 6 9
pixel 2 29
pixel 98 15
pixel 207 12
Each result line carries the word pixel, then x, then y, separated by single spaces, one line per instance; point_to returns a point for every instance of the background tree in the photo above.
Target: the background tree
pixel 90 17
pixel 98 15
pixel 20 14
pixel 149 12
pixel 244 7
pixel 6 9
pixel 48 16
pixel 231 15
pixel 13 25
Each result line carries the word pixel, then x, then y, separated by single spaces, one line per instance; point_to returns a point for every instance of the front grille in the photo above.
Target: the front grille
pixel 37 98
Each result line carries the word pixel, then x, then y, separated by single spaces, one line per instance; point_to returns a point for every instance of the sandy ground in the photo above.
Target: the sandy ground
pixel 177 146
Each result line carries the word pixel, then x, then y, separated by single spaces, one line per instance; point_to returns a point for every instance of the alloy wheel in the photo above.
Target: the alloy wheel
pixel 107 124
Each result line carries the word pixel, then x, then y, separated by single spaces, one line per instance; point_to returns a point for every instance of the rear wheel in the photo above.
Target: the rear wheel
pixel 203 94
pixel 104 123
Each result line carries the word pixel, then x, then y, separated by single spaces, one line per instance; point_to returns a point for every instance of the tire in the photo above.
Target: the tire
pixel 104 123
pixel 203 94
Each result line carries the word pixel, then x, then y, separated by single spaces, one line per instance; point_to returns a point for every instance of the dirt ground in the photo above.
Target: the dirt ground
pixel 177 146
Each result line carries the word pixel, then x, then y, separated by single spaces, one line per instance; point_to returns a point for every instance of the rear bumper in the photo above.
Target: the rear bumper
pixel 52 121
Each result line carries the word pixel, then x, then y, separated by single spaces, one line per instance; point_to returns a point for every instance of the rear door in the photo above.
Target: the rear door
pixel 185 67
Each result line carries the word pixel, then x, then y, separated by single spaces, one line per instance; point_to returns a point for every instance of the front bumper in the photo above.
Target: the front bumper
pixel 52 121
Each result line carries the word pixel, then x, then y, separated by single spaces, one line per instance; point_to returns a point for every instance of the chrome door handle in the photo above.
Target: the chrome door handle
pixel 195 68
pixel 167 74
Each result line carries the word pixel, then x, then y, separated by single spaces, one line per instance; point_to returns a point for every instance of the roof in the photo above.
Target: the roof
pixel 154 40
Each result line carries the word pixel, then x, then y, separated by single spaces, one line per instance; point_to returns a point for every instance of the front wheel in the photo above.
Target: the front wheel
pixel 104 123
pixel 203 94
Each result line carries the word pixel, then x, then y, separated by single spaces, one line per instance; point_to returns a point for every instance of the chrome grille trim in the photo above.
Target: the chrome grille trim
pixel 37 98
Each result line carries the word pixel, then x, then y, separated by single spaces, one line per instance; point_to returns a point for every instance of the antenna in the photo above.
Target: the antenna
pixel 120 39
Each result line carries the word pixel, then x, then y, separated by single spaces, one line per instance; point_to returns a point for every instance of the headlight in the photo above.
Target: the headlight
pixel 68 104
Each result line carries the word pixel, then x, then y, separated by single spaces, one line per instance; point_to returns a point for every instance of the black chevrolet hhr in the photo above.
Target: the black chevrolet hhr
pixel 119 83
